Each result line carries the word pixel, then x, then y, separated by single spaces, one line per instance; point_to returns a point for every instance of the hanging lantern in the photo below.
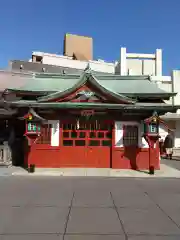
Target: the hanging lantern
pixel 151 125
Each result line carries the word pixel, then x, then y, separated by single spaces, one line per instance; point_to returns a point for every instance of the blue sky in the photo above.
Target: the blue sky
pixel 138 25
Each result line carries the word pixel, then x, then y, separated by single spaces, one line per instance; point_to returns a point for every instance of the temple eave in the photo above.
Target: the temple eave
pixel 70 105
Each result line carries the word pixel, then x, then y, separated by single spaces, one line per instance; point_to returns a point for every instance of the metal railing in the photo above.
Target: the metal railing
pixel 5 154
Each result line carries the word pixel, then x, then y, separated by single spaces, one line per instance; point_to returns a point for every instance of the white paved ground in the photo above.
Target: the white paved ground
pixel 165 172
pixel 82 208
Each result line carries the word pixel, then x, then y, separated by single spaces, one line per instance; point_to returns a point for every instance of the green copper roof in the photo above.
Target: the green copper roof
pixel 123 85
pixel 87 77
pixel 49 84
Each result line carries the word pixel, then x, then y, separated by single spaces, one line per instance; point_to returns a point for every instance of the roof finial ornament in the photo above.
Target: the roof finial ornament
pixel 87 69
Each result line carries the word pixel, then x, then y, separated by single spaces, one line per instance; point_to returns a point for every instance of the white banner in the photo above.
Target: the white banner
pixel 55 133
pixel 118 134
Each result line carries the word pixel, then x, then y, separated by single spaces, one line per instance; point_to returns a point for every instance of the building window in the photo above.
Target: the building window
pixel 45 137
pixel 39 59
pixel 130 135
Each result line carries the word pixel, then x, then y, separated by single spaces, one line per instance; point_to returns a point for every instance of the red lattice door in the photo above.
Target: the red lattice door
pixel 86 144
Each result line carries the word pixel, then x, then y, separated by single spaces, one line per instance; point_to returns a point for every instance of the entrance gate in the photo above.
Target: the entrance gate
pixel 86 144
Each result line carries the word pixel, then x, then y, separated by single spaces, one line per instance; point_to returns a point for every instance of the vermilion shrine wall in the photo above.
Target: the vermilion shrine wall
pixel 54 155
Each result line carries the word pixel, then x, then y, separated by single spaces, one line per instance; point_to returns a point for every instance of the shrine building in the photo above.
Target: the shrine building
pixel 88 120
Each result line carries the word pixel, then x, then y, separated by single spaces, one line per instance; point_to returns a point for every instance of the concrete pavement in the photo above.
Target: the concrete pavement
pixel 6 171
pixel 174 163
pixel 166 171
pixel 73 208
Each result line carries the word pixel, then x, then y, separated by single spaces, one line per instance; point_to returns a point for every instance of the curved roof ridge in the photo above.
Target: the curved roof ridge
pixel 86 76
pixel 60 93
pixel 118 95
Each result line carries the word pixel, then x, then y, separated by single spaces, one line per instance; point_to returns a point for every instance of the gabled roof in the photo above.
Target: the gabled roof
pixel 129 86
pixel 86 77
